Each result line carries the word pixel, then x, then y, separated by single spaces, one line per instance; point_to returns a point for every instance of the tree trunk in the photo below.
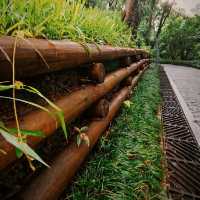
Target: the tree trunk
pixel 150 20
pixel 131 15
pixel 165 14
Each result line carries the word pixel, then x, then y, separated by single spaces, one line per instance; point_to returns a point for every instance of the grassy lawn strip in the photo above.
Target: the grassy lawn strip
pixel 127 165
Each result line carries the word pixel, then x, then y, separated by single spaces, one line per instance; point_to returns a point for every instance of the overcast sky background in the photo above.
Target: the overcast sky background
pixel 187 5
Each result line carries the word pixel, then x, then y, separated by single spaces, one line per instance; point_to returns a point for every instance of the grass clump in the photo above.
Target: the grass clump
pixel 63 19
pixel 128 165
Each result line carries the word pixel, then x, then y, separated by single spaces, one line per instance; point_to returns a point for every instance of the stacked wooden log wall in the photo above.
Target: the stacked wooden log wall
pixel 36 57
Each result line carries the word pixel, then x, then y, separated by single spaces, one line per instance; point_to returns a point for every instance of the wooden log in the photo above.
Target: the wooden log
pixel 38 56
pixel 97 72
pixel 52 181
pixel 100 110
pixel 142 67
pixel 50 184
pixel 127 81
pixel 72 106
pixel 138 57
pixel 126 61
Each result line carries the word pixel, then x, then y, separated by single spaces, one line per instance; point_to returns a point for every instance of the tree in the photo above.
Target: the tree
pixel 105 4
pixel 166 9
pixel 132 16
pixel 180 38
pixel 149 16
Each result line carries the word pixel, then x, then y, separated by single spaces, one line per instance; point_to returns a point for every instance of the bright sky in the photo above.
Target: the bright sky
pixel 187 5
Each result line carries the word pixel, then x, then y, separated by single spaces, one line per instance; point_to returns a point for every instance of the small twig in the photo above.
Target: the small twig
pixel 14 94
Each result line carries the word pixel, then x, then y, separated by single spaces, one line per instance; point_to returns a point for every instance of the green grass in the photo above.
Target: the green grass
pixel 127 165
pixel 63 19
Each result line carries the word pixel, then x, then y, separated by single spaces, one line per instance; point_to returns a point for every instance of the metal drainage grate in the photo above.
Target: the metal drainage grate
pixel 181 148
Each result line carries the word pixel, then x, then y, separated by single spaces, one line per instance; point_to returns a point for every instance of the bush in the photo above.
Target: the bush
pixel 189 63
pixel 63 19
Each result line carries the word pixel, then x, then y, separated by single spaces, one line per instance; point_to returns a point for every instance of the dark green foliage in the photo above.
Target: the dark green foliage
pixel 127 165
pixel 188 63
pixel 106 4
pixel 180 38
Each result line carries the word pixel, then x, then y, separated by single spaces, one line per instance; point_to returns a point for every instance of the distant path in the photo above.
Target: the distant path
pixel 186 83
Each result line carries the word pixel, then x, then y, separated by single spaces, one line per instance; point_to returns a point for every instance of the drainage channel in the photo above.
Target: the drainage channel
pixel 181 148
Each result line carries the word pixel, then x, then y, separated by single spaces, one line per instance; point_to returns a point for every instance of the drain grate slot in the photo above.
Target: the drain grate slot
pixel 177 195
pixel 183 175
pixel 181 149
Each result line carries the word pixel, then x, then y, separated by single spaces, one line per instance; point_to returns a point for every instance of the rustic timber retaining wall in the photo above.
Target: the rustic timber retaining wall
pixel 34 57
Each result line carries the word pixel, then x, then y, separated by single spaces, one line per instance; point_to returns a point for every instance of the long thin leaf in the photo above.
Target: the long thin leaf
pixel 59 112
pixel 5 87
pixel 27 132
pixel 62 123
pixel 22 146
pixel 30 103
pixel 6 55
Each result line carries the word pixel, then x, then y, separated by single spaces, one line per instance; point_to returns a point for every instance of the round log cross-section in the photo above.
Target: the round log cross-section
pixel 100 110
pixel 142 67
pixel 97 72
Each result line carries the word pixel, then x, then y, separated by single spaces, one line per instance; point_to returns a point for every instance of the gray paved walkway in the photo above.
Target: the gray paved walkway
pixel 186 83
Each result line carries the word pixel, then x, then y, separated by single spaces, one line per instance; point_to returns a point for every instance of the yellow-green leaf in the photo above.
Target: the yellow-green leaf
pixel 21 146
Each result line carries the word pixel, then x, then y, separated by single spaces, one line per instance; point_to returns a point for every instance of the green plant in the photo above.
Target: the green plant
pixel 21 145
pixel 188 63
pixel 180 38
pixel 19 141
pixel 17 137
pixel 82 136
pixel 63 20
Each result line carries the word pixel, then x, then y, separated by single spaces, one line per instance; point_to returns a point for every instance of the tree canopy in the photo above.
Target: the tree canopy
pixel 180 38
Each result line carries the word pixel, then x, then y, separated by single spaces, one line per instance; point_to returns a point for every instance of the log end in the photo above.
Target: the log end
pixel 97 72
pixel 100 110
